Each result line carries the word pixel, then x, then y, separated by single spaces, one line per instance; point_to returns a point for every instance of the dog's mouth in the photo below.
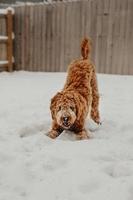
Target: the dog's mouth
pixel 65 120
pixel 66 125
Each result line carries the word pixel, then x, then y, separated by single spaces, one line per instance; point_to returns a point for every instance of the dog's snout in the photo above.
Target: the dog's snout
pixel 65 119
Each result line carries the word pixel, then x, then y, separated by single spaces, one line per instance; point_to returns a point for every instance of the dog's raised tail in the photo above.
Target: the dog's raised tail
pixel 85 48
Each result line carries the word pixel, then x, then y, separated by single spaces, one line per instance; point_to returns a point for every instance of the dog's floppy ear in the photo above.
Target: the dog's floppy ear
pixel 53 104
pixel 79 107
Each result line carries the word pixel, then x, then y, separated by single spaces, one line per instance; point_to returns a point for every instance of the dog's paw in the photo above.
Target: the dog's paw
pixel 83 135
pixel 52 134
pixel 92 125
pixel 97 121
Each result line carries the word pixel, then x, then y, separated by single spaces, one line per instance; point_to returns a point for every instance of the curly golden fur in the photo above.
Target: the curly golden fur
pixel 70 107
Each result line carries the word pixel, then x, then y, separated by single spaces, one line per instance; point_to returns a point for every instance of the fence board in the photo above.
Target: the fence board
pixel 17 40
pixel 130 43
pixel 110 37
pixel 57 32
pixel 43 40
pixel 3 33
pixel 62 38
pixel 31 39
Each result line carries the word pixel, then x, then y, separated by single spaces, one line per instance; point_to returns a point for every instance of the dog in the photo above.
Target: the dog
pixel 70 107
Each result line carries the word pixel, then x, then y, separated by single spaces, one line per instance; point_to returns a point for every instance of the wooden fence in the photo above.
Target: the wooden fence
pixel 47 36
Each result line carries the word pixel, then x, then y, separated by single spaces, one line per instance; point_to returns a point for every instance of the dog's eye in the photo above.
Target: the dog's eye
pixel 59 108
pixel 72 108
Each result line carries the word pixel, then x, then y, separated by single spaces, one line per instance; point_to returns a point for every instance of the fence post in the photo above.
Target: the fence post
pixel 9 24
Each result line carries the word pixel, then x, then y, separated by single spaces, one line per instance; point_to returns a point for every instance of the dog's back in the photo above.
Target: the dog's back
pixel 80 70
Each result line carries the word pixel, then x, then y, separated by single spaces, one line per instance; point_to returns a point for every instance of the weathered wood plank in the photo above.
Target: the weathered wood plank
pixel 31 38
pixel 110 44
pixel 17 41
pixel 9 41
pixel 43 52
pixel 48 35
pixel 22 32
pixel 62 38
pixel 57 32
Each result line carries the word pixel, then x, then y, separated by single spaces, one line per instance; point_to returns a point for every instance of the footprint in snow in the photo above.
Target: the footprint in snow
pixel 117 170
pixel 130 193
pixel 127 128
pixel 54 163
pixel 89 187
pixel 32 130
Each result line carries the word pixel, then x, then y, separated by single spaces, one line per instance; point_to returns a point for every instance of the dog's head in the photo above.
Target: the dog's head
pixel 63 110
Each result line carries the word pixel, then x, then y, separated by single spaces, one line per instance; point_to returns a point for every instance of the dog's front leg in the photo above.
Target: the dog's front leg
pixel 82 135
pixel 55 131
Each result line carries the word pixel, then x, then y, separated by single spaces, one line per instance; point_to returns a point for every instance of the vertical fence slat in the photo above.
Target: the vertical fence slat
pixel 115 26
pixel 57 42
pixel 27 34
pixel 53 36
pixel 16 41
pixel 22 59
pixel 110 36
pixel 60 35
pixel 9 41
pixel 66 36
pixel 115 39
pixel 48 47
pixel 62 6
pixel 40 67
pixel 31 42
pixel 43 52
pixel 36 33
pixel 35 50
pixel 126 39
pixel 98 38
pixel 3 55
pixel 122 33
pixel 130 38
pixel 105 18
pixel 39 38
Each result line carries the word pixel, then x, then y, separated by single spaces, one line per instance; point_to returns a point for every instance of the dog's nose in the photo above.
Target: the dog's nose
pixel 65 119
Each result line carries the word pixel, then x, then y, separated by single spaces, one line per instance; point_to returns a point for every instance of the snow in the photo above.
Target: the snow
pixel 3 62
pixel 33 166
pixel 6 37
pixel 3 37
pixel 5 11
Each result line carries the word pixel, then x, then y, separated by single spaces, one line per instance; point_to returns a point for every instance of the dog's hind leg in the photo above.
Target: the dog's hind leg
pixel 95 99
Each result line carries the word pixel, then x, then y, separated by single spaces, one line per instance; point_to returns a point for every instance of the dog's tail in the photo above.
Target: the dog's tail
pixel 85 48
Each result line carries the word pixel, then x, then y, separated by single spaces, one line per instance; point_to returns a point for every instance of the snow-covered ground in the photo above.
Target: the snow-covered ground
pixel 35 167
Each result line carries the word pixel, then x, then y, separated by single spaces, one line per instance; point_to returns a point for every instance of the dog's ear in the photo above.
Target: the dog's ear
pixel 75 99
pixel 53 104
pixel 78 110
pixel 79 107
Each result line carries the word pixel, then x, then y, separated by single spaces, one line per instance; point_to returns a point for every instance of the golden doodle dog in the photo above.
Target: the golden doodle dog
pixel 70 107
